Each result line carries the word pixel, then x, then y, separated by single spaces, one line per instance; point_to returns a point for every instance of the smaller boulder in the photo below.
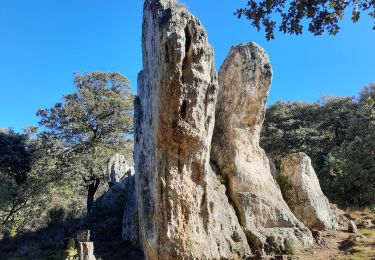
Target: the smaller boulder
pixel 301 190
pixel 317 235
pixel 357 238
pixel 117 168
pixel 365 223
pixel 342 218
pixel 352 227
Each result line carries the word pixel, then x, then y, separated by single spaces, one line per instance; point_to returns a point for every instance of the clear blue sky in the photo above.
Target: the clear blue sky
pixel 43 42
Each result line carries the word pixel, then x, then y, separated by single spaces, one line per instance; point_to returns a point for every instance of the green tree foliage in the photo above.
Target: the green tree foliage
pixel 338 134
pixel 15 157
pixel 353 162
pixel 91 125
pixel 23 178
pixel 321 15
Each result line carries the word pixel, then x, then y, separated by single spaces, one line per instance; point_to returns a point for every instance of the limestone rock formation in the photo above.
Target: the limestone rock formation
pixel 183 210
pixel 341 217
pixel 245 79
pixel 304 195
pixel 117 167
pixel 118 174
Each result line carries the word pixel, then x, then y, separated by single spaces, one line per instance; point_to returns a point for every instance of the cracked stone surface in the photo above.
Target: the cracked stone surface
pixel 191 201
pixel 183 210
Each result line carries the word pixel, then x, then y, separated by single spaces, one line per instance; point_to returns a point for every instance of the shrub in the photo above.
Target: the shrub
pixel 55 216
pixel 289 247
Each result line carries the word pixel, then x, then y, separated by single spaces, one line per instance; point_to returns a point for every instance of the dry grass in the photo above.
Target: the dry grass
pixel 367 232
pixel 357 213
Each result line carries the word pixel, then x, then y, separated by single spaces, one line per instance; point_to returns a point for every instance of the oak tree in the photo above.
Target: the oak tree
pixel 319 15
pixel 91 124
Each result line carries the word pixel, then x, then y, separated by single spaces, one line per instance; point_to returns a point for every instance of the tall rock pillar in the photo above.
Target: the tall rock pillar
pixel 244 80
pixel 182 207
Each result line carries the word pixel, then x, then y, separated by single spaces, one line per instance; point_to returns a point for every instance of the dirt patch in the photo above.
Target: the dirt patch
pixel 342 245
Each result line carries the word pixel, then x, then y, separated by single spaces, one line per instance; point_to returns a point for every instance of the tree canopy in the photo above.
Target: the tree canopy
pixel 320 15
pixel 24 176
pixel 338 134
pixel 90 125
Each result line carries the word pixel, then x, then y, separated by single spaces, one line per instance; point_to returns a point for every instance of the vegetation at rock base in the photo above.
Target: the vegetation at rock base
pixel 320 16
pixel 290 248
pixel 338 134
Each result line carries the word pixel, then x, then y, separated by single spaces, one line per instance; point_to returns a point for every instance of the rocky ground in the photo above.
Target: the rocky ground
pixel 345 245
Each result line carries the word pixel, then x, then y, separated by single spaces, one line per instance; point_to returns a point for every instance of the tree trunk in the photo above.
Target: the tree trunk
pixel 91 190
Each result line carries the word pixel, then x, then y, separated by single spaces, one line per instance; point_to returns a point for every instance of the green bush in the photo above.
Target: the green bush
pixel 289 247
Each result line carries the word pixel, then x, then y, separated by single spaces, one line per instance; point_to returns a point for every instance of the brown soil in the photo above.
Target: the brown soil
pixel 337 245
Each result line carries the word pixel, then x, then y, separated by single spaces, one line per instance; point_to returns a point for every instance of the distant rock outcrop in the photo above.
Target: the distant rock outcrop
pixel 245 79
pixel 304 195
pixel 119 175
pixel 117 167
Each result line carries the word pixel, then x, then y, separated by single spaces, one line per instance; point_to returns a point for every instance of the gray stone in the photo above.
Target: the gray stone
pixel 130 227
pixel 117 168
pixel 183 209
pixel 365 223
pixel 341 217
pixel 245 79
pixel 113 200
pixel 273 169
pixel 304 195
pixel 352 227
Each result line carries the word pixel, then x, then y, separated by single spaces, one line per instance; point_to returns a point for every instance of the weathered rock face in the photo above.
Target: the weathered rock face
pixel 273 169
pixel 117 168
pixel 352 227
pixel 130 226
pixel 341 217
pixel 304 195
pixel 245 79
pixel 183 210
